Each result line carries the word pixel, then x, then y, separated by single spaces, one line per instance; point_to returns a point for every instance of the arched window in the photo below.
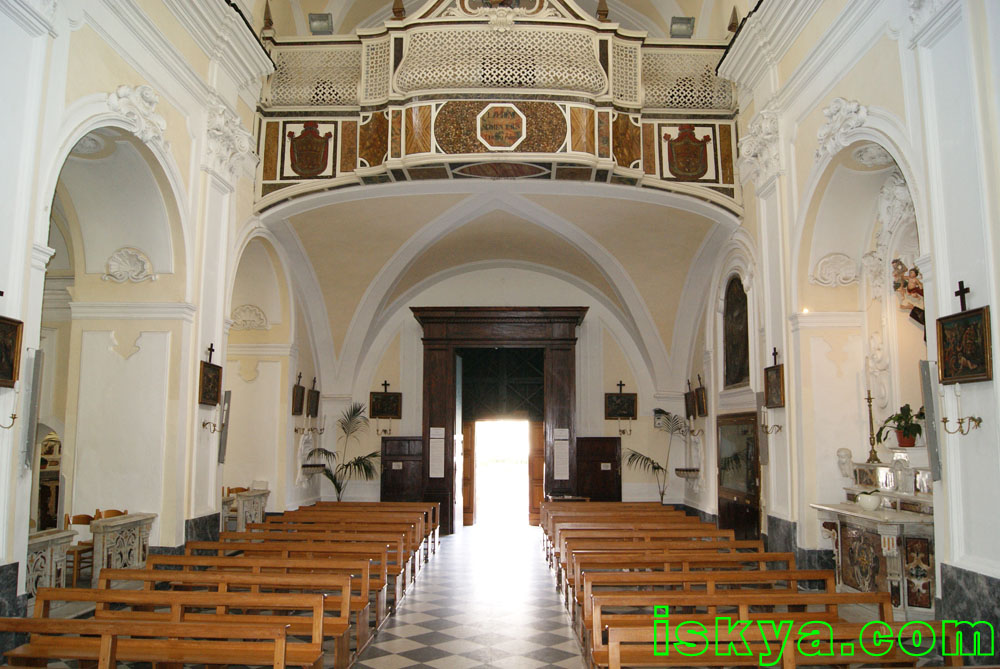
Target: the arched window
pixel 735 336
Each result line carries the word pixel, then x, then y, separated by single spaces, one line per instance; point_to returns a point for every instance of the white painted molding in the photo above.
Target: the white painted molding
pixel 249 317
pixel 834 269
pixel 736 399
pixel 56 299
pixel 821 320
pixel 842 118
pixel 873 155
pixel 263 350
pixel 229 149
pixel 133 311
pixel 40 256
pixel 129 264
pixel 138 106
pixel 36 17
pixel 931 18
pixel 222 34
pixel 766 36
pixel 760 157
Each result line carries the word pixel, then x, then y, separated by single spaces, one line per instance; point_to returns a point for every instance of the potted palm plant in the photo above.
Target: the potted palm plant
pixel 339 468
pixel 671 424
pixel 905 424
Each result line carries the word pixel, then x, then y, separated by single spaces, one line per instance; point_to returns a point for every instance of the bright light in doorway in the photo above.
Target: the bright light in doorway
pixel 501 472
pixel 502 440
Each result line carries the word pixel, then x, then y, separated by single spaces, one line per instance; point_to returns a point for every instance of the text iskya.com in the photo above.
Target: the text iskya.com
pixel 815 638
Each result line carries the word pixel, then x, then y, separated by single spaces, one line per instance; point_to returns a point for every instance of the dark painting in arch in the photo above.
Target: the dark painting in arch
pixel 735 336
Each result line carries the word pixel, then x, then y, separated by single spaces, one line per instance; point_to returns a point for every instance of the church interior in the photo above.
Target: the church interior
pixel 712 269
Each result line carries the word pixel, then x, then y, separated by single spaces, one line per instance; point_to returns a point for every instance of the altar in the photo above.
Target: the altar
pixel 891 548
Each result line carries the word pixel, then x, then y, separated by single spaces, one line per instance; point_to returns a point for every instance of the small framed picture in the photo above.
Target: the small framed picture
pixel 964 349
pixel 298 399
pixel 690 404
pixel 701 401
pixel 210 385
pixel 312 403
pixel 386 405
pixel 619 405
pixel 774 387
pixel 10 351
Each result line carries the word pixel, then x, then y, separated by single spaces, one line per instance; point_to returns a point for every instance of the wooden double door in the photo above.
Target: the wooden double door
pixel 536 471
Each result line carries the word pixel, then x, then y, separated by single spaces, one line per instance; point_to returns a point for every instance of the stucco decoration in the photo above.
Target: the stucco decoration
pixel 834 269
pixel 89 145
pixel 895 210
pixel 249 317
pixel 759 158
pixel 842 116
pixel 138 105
pixel 874 156
pixel 878 369
pixel 128 264
pixel 502 19
pixel 922 12
pixel 229 148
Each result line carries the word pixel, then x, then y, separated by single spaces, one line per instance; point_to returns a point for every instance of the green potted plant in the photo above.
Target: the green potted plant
pixel 905 424
pixel 671 424
pixel 339 468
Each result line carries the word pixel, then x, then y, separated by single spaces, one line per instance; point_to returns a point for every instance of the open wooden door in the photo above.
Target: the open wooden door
pixel 469 473
pixel 536 470
pixel 739 475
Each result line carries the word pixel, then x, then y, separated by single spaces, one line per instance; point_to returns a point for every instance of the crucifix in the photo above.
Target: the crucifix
pixel 314 384
pixel 298 381
pixel 774 354
pixel 211 350
pixel 700 384
pixel 961 293
pixel 689 385
pixel 385 386
pixel 620 385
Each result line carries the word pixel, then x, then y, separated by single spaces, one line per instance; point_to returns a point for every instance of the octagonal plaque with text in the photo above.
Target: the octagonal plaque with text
pixel 501 127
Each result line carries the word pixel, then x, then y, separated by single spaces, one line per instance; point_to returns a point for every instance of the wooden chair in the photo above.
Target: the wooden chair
pixel 234 490
pixel 82 552
pixel 109 513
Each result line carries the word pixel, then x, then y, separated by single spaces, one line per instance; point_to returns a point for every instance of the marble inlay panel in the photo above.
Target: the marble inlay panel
pixel 11 606
pixel 726 152
pixel 424 173
pixel 418 130
pixel 604 134
pixel 862 565
pixel 575 173
pixel 270 161
pixel 455 127
pixel 395 134
pixel 373 142
pixel 348 146
pixel 627 141
pixel 973 597
pixel 501 170
pixel 649 148
pixel 780 535
pixel 918 567
pixel 582 121
pixel 205 528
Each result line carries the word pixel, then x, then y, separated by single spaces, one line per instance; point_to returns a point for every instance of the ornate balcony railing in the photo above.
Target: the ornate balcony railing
pixel 47 559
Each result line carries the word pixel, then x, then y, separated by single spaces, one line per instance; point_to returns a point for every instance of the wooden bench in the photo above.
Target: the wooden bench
pixel 336 587
pixel 108 642
pixel 635 647
pixel 635 610
pixel 431 511
pixel 366 585
pixel 364 516
pixel 303 613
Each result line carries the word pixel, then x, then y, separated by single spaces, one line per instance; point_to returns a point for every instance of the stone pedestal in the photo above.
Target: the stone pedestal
pixel 47 559
pixel 121 542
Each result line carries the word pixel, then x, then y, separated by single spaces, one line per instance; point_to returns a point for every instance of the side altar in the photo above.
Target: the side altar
pixel 891 547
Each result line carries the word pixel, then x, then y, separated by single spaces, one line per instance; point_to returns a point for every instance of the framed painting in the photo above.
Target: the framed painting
pixel 690 404
pixel 386 405
pixel 210 384
pixel 774 387
pixel 298 399
pixel 964 349
pixel 312 403
pixel 10 351
pixel 701 401
pixel 619 406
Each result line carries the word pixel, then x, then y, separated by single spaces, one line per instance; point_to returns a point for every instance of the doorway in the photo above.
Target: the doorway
pixel 501 471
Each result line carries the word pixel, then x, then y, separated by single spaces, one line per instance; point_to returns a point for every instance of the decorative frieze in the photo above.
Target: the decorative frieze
pixel 138 106
pixel 842 117
pixel 834 269
pixel 129 264
pixel 230 147
pixel 249 317
pixel 759 158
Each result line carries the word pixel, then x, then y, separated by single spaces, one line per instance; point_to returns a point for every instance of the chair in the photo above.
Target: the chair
pixel 233 491
pixel 82 551
pixel 109 513
pixel 229 511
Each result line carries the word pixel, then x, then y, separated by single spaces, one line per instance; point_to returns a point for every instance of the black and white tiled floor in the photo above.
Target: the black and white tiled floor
pixel 459 615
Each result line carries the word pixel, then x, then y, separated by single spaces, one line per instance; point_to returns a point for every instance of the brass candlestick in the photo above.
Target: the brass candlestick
pixel 872 455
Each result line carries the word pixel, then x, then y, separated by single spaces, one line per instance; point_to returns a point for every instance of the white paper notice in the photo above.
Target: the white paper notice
pixel 605 466
pixel 397 465
pixel 437 458
pixel 561 460
pixel 561 433
pixel 437 433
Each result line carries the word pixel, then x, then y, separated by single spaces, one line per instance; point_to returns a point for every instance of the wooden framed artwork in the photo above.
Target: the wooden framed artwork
pixel 774 386
pixel 298 399
pixel 385 405
pixel 312 403
pixel 690 404
pixel 701 401
pixel 619 406
pixel 10 351
pixel 210 384
pixel 964 350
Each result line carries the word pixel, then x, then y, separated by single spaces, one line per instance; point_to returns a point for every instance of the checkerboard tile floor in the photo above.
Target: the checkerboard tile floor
pixel 460 615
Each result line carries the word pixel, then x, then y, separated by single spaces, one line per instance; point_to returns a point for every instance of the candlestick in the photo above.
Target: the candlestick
pixel 872 454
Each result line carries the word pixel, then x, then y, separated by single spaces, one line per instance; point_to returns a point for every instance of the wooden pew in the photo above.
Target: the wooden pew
pixel 303 613
pixel 431 511
pixel 634 647
pixel 635 609
pixel 336 587
pixel 377 553
pixel 366 585
pixel 362 515
pixel 108 642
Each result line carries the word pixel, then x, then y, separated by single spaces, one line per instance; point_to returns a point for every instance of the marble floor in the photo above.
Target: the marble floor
pixel 487 599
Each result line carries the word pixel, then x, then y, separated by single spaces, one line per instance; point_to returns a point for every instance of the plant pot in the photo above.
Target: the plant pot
pixel 905 442
pixel 687 472
pixel 869 501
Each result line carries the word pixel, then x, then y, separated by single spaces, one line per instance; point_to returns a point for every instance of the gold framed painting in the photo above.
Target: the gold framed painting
pixel 210 385
pixel 964 349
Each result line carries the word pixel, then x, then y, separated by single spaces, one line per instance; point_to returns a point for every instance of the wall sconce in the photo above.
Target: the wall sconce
pixel 767 429
pixel 313 429
pixel 210 426
pixel 13 414
pixel 964 427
